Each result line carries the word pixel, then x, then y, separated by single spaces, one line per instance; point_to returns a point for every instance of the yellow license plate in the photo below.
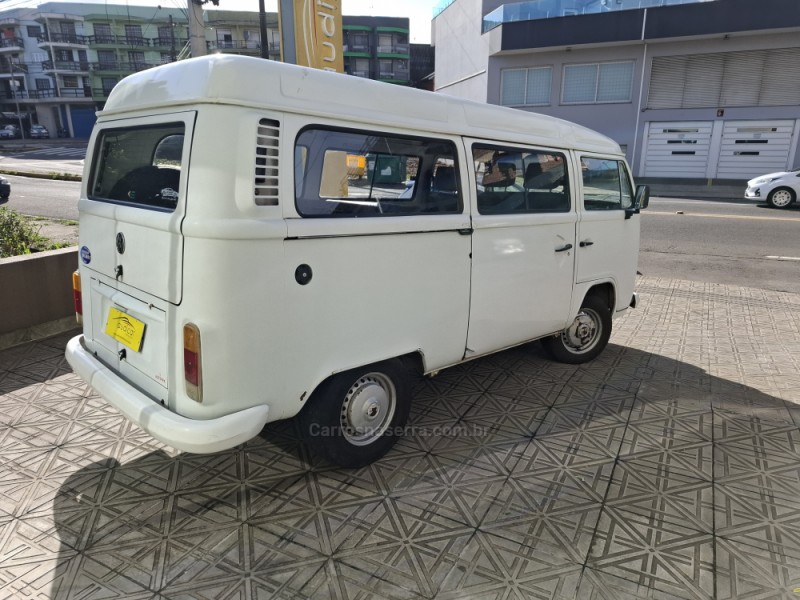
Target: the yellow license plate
pixel 125 329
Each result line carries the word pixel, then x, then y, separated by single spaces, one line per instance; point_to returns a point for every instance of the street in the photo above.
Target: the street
pixel 728 242
pixel 44 197
pixel 742 243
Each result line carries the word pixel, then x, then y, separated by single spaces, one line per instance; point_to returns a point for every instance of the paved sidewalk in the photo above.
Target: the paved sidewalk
pixel 667 468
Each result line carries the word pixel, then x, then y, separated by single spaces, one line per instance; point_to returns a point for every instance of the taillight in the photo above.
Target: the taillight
pixel 77 299
pixel 191 362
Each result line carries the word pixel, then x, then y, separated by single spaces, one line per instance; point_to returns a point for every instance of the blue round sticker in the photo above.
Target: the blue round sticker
pixel 86 256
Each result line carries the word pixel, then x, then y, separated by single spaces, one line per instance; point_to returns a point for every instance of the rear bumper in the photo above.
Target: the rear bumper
pixel 189 435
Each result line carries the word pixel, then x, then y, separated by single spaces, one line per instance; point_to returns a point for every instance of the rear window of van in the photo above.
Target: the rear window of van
pixel 139 166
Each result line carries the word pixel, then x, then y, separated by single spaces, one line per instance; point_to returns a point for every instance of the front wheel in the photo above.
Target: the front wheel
pixel 780 198
pixel 585 338
pixel 355 417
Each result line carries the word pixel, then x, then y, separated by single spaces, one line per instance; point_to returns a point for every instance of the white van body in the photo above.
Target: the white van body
pixel 284 296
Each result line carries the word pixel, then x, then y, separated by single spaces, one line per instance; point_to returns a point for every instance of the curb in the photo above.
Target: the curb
pixel 35 175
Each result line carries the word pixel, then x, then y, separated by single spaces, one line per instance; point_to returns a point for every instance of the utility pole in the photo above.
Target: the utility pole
pixel 197 36
pixel 262 24
pixel 15 84
pixel 172 55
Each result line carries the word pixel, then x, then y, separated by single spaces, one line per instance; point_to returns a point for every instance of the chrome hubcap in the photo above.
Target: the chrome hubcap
pixel 781 198
pixel 368 409
pixel 584 332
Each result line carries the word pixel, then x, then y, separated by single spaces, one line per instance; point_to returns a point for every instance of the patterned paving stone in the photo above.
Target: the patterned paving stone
pixel 667 468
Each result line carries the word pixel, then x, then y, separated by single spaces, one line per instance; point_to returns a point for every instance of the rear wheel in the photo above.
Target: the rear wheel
pixel 586 337
pixel 780 198
pixel 355 417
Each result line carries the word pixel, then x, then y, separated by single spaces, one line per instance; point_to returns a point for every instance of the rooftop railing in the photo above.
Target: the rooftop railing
pixel 548 9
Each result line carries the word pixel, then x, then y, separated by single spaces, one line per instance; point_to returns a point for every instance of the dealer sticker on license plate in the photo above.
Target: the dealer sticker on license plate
pixel 125 329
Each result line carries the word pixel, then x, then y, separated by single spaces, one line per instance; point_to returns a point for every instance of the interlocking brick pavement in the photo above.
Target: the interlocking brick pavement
pixel 667 468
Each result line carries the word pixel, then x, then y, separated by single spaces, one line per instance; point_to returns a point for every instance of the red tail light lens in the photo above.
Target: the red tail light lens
pixel 76 296
pixel 191 362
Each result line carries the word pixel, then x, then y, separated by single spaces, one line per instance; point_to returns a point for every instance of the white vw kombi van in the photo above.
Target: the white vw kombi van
pixel 260 240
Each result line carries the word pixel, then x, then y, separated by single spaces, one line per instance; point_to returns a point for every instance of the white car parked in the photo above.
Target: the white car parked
pixel 778 189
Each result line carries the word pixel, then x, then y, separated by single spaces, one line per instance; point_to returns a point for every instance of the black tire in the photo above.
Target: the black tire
pixel 781 197
pixel 355 417
pixel 586 337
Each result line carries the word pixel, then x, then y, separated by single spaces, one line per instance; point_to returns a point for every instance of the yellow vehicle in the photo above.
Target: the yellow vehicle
pixel 356 165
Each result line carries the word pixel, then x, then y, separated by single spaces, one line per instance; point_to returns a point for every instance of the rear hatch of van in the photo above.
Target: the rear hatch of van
pixel 131 243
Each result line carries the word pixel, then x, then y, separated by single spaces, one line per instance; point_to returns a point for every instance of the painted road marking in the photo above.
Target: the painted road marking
pixel 710 216
pixel 795 258
pixel 663 200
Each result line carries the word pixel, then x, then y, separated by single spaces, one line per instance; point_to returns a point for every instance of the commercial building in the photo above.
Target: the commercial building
pixel 697 89
pixel 59 61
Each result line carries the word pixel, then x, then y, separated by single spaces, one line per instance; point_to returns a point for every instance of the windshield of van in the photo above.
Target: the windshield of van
pixel 139 166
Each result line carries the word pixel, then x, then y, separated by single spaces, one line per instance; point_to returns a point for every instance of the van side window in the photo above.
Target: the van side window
pixel 343 173
pixel 139 166
pixel 512 181
pixel 606 185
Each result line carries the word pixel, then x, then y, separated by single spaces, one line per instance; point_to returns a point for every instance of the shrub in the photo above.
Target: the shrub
pixel 17 236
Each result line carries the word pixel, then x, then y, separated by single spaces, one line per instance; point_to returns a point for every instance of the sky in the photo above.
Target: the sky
pixel 419 12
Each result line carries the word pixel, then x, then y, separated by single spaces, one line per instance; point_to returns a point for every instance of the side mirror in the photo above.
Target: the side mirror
pixel 642 196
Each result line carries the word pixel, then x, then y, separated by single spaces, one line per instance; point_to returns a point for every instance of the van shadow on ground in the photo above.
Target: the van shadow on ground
pixel 633 476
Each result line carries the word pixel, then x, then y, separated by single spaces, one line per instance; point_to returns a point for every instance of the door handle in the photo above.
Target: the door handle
pixel 585 243
pixel 564 248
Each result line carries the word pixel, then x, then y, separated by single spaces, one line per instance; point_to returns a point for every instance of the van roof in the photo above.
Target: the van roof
pixel 242 80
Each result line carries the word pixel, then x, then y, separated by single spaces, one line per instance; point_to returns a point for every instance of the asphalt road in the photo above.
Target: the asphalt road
pixel 37 157
pixel 736 242
pixel 732 242
pixel 44 197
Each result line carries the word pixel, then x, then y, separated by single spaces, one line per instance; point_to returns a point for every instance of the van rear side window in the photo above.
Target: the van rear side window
pixel 139 166
pixel 361 174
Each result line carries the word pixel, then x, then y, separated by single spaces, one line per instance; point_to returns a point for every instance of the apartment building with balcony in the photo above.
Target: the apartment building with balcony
pixel 59 61
pixel 691 89
pixel 238 32
pixel 44 70
pixel 377 48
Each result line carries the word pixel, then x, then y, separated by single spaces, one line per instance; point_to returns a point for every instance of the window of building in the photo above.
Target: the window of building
pixel 597 83
pixel 67 28
pixel 108 84
pixel 526 87
pixel 102 33
pixel 606 185
pixel 359 67
pixel 34 31
pixel 134 33
pixel 136 58
pixel 165 34
pixel 63 55
pixel 513 180
pixel 357 42
pixel 107 59
pixel 369 174
pixel 43 84
pixel 70 81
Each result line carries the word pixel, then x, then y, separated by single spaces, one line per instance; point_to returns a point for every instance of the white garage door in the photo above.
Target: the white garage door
pixel 678 149
pixel 751 148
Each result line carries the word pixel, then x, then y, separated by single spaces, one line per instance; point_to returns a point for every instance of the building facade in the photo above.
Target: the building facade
pixel 694 89
pixel 60 61
pixel 377 48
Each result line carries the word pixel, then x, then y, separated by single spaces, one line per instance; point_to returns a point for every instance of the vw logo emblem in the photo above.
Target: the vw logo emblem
pixel 120 243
